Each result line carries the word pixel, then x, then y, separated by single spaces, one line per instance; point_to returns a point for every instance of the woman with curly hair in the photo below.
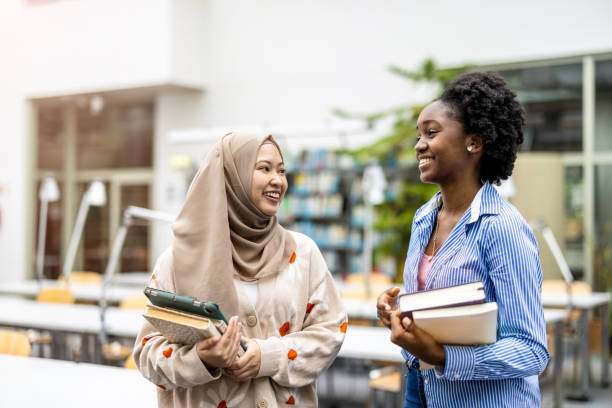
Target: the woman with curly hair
pixel 467 141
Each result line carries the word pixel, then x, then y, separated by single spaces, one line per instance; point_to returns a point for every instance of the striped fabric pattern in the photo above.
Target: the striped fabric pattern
pixel 491 243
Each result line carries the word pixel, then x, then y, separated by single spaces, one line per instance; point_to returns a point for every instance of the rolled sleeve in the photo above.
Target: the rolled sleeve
pixel 271 351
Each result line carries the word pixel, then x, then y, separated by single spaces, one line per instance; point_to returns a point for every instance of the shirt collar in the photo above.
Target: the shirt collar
pixel 486 201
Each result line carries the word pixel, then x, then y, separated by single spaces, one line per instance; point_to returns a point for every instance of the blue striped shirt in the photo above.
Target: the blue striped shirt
pixel 493 244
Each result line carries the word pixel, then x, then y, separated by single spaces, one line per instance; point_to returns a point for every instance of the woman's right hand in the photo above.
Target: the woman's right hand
pixel 387 304
pixel 220 352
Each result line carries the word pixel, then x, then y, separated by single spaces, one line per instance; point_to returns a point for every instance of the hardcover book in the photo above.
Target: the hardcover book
pixel 450 296
pixel 456 315
pixel 464 325
pixel 182 328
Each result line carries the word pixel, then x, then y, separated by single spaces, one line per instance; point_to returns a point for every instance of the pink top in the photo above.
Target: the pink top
pixel 424 267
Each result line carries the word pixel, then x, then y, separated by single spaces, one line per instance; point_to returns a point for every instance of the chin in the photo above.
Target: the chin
pixel 271 212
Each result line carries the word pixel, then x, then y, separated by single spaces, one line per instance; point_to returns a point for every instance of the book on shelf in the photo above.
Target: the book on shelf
pixel 457 315
pixel 181 327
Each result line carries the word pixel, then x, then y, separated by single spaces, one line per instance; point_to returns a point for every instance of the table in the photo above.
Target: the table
pixel 370 343
pixel 140 279
pixel 82 292
pixel 37 382
pixel 584 302
pixel 557 317
pixel 71 318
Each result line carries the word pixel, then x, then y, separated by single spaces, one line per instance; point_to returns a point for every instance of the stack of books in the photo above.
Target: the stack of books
pixel 458 315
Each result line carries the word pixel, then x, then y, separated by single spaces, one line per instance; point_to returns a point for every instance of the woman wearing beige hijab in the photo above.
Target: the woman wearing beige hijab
pixel 274 283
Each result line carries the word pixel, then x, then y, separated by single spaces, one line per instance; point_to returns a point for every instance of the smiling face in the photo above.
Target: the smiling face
pixel 442 146
pixel 269 182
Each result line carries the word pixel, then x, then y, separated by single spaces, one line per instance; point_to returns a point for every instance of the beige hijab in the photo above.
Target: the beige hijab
pixel 220 232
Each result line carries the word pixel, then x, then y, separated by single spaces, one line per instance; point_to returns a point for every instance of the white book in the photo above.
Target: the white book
pixel 464 325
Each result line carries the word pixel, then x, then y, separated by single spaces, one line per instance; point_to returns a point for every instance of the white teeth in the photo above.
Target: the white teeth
pixel 425 160
pixel 273 195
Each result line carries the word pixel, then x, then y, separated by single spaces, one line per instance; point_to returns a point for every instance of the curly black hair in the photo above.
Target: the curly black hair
pixel 486 106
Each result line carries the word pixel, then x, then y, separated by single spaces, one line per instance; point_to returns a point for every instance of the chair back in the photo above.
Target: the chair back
pixel 130 364
pixel 55 295
pixel 14 343
pixel 136 302
pixel 84 278
pixel 559 286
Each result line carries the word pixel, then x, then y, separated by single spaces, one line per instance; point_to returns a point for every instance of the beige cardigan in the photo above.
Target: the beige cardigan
pixel 299 324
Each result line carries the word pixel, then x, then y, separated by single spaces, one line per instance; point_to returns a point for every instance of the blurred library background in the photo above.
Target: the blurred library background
pixel 108 108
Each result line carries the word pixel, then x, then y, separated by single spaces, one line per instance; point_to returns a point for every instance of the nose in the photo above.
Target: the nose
pixel 276 179
pixel 420 146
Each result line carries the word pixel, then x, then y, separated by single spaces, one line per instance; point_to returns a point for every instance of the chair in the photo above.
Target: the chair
pixel 84 278
pixel 130 364
pixel 385 384
pixel 14 343
pixel 559 286
pixel 55 295
pixel 116 351
pixel 136 302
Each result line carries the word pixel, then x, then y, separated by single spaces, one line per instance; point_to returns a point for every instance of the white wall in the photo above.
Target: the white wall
pixel 261 62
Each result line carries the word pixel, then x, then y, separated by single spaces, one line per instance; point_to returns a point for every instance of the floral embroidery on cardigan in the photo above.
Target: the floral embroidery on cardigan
pixel 284 329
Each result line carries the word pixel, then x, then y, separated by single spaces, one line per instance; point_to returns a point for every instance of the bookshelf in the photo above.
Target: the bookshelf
pixel 320 203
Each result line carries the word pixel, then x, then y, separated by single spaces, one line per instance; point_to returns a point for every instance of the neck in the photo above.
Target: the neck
pixel 457 197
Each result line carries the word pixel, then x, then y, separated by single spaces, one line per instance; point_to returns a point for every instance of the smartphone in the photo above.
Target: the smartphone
pixel 188 304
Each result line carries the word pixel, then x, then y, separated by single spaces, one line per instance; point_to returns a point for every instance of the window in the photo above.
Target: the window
pixel 78 145
pixel 552 98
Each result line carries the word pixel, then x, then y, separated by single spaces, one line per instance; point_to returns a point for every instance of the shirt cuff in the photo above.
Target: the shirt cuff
pixel 203 376
pixel 271 350
pixel 459 363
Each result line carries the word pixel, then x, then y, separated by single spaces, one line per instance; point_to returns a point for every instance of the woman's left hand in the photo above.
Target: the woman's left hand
pixel 416 341
pixel 247 365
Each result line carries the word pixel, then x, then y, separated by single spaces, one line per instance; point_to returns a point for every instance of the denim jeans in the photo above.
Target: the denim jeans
pixel 415 391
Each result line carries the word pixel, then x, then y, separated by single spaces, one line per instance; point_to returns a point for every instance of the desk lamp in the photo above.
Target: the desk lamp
pixel 48 192
pixel 551 241
pixel 96 196
pixel 129 214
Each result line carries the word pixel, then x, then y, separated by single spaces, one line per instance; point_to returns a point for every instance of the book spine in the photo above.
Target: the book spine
pixel 408 313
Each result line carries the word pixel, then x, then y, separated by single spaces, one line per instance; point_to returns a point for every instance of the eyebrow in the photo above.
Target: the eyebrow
pixel 269 162
pixel 427 122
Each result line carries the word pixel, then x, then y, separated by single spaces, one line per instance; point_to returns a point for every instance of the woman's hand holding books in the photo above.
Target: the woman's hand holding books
pixel 221 352
pixel 387 304
pixel 246 366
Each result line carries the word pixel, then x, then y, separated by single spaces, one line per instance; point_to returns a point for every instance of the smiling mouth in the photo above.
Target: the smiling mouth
pixel 424 161
pixel 272 196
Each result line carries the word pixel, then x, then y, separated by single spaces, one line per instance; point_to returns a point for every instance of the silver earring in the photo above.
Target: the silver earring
pixel 470 148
